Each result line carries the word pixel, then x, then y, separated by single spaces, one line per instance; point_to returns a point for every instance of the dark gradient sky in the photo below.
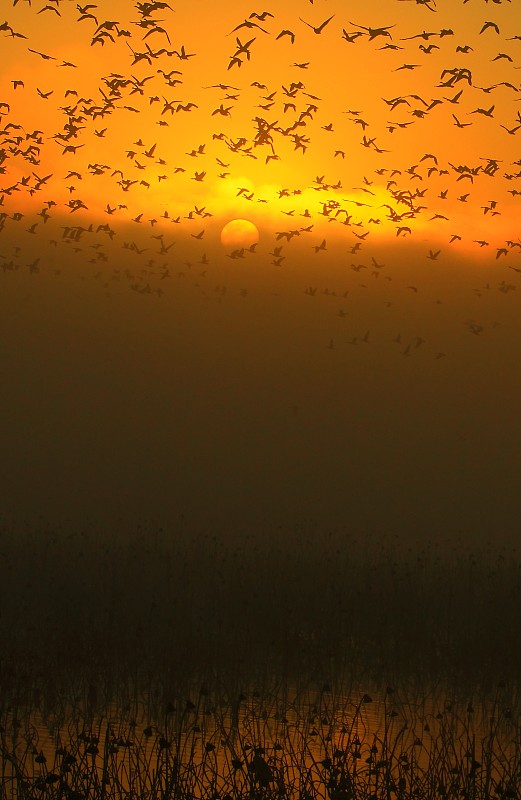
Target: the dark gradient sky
pixel 234 410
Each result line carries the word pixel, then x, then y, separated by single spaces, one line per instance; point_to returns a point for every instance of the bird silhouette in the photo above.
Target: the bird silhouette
pixel 318 28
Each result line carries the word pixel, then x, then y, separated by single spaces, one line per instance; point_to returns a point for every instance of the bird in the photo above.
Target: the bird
pixel 286 32
pixel 318 28
pixel 490 25
pixel 460 124
pixel 247 23
pixel 373 33
pixel 45 56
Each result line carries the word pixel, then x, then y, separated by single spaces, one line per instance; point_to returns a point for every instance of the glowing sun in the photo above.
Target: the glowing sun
pixel 239 232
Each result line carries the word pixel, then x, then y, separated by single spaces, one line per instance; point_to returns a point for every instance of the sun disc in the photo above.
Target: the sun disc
pixel 239 232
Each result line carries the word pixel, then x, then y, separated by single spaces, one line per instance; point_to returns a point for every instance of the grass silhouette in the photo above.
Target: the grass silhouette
pixel 274 741
pixel 159 666
pixel 178 603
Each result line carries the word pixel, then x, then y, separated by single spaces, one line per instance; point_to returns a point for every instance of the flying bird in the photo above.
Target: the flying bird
pixel 373 33
pixel 319 28
pixel 286 33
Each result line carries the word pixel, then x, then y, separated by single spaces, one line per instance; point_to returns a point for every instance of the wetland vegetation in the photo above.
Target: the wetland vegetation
pixel 291 666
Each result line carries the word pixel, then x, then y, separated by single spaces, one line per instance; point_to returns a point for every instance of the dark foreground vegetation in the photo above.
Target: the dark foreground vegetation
pixel 149 666
pixel 294 601
pixel 275 741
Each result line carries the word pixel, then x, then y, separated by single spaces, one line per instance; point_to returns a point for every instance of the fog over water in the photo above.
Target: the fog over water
pixel 240 401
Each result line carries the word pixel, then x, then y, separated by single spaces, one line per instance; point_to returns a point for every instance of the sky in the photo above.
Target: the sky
pixel 355 368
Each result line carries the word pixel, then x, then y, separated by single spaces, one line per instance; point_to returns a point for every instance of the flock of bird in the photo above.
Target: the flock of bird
pixel 59 177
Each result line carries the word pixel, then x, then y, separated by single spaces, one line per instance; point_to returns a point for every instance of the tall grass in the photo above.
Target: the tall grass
pixel 275 740
pixel 301 604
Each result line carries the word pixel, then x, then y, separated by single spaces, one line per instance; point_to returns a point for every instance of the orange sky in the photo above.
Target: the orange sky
pixel 429 160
